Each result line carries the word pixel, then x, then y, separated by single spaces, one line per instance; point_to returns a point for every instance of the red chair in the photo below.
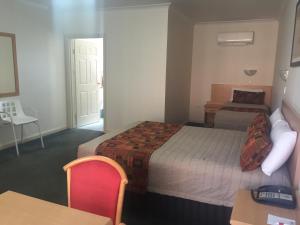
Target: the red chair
pixel 96 184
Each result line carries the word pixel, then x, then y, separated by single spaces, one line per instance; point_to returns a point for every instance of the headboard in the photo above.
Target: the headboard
pixel 293 118
pixel 222 92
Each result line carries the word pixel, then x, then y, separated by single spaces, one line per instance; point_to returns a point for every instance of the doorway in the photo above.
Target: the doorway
pixel 87 71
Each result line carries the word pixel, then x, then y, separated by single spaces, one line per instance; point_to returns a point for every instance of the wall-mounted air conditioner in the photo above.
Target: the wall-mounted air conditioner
pixel 236 38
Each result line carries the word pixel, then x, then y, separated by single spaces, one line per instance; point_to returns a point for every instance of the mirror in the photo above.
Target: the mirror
pixel 9 82
pixel 295 60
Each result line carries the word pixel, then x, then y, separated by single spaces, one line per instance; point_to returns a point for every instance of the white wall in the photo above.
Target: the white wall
pixel 179 62
pixel 217 64
pixel 40 56
pixel 285 39
pixel 135 59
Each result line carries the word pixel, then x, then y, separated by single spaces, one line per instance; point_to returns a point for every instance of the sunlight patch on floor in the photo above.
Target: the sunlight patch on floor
pixel 94 126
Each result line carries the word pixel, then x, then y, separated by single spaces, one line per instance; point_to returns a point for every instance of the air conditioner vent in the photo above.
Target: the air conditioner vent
pixel 236 38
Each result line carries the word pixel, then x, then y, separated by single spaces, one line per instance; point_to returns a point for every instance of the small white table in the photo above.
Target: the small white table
pixel 18 209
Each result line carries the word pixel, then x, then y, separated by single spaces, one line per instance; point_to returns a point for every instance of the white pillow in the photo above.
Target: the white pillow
pixel 276 117
pixel 284 140
pixel 244 89
pixel 280 127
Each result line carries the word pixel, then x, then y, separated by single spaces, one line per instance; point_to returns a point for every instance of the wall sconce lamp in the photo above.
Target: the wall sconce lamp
pixel 250 72
pixel 284 74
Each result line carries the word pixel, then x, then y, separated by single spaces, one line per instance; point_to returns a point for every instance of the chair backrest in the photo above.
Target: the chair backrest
pixel 96 184
pixel 12 107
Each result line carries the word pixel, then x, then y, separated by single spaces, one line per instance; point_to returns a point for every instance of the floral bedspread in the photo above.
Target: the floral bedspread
pixel 133 148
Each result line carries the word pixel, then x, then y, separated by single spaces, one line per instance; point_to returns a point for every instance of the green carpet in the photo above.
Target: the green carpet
pixel 38 172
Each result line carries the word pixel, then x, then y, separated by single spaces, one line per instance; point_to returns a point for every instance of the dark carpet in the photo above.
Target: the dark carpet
pixel 38 172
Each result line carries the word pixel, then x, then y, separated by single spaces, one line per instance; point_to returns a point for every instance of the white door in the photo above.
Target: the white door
pixel 89 73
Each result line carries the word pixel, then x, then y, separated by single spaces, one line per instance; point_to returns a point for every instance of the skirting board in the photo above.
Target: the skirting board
pixel 33 137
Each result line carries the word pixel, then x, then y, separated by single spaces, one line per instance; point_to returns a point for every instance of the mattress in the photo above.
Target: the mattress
pixel 234 120
pixel 200 164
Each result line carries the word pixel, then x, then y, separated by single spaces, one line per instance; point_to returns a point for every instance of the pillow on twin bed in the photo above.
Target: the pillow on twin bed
pixel 248 97
pixel 244 89
pixel 258 144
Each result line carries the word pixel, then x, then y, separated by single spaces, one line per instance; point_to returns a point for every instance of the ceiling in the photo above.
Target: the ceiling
pixel 228 10
pixel 197 10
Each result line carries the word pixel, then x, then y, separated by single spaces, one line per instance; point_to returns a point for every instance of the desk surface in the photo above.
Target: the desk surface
pixel 248 212
pixel 18 209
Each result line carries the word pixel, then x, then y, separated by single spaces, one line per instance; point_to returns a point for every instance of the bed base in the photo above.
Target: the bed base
pixel 167 210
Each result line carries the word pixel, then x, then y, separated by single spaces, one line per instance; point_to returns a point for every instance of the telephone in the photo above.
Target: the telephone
pixel 280 196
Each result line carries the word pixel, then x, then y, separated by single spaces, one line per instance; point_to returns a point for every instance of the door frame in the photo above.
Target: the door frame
pixel 71 98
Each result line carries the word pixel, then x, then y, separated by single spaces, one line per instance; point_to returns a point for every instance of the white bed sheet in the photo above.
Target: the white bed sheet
pixel 199 164
pixel 202 164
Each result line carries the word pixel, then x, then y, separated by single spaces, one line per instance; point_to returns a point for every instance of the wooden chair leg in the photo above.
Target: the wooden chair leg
pixel 15 137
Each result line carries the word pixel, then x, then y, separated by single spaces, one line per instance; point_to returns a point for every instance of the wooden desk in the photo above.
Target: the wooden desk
pixel 18 209
pixel 210 111
pixel 248 212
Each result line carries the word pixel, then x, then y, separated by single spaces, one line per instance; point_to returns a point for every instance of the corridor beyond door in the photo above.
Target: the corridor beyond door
pixel 89 81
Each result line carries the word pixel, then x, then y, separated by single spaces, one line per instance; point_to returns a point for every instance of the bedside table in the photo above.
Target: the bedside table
pixel 247 212
pixel 210 111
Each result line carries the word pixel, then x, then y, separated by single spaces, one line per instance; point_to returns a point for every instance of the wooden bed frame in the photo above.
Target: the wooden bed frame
pixel 293 118
pixel 222 92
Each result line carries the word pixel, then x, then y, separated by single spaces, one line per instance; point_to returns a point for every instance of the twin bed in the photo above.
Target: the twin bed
pixel 202 164
pixel 237 116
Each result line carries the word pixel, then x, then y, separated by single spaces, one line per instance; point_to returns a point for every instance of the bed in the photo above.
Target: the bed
pixel 199 167
pixel 206 162
pixel 237 116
